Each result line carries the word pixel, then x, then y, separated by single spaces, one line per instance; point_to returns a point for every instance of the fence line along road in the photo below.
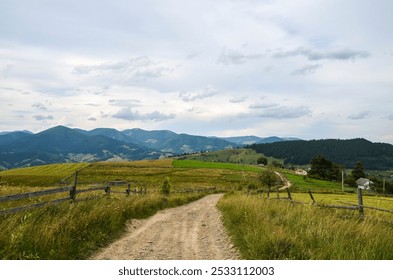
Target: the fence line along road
pixel 72 195
pixel 350 206
pixel 34 194
pixel 73 191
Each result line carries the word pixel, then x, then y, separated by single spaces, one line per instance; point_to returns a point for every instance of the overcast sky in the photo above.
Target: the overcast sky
pixel 308 68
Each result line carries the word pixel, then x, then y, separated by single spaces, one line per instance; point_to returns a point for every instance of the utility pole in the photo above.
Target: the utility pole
pixel 342 179
pixel 383 186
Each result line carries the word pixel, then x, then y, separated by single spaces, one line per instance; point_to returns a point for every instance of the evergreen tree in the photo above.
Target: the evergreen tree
pixel 322 168
pixel 358 171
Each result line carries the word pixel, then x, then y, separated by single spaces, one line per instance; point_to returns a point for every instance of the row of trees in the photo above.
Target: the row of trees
pixel 322 168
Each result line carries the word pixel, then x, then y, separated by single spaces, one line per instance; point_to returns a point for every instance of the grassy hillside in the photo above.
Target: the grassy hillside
pixel 214 165
pixel 181 173
pixel 240 156
pixel 271 229
pixel 45 175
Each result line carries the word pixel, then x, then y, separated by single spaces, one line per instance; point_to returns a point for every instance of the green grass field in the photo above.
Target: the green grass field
pixel 239 156
pixel 271 229
pixel 214 165
pixel 302 184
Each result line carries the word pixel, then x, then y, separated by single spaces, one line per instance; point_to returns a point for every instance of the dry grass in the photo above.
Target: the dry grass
pixel 272 229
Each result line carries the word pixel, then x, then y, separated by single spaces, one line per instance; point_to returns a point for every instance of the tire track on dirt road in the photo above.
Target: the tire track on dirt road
pixel 189 232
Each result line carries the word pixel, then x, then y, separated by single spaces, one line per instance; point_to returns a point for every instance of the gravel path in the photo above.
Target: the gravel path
pixel 189 232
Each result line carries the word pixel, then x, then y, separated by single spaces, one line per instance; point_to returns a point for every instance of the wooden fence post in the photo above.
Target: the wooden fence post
pixel 360 202
pixel 73 191
pixel 312 197
pixel 108 189
pixel 289 194
pixel 128 190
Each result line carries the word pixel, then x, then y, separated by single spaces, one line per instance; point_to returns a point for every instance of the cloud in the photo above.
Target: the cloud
pixel 42 117
pixel 359 116
pixel 207 92
pixel 7 70
pixel 309 69
pixel 194 54
pixel 280 112
pixel 237 99
pixel 262 106
pixel 40 106
pixel 96 116
pixel 230 56
pixel 124 102
pixel 141 67
pixel 312 55
pixel 128 114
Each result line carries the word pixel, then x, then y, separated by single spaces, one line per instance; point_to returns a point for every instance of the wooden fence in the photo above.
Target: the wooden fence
pixel 72 197
pixel 73 192
pixel 349 206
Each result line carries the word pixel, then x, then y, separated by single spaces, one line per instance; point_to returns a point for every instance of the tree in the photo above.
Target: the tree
pixel 322 168
pixel 358 171
pixel 262 160
pixel 277 164
pixel 269 178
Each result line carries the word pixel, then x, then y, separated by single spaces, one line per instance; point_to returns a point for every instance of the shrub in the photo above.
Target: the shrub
pixel 166 187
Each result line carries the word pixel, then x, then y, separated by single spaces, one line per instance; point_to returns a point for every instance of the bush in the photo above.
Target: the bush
pixel 166 187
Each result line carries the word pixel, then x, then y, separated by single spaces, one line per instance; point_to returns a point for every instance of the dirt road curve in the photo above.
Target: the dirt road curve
pixel 190 232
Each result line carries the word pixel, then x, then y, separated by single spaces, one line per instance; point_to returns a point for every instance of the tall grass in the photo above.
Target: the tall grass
pixel 74 231
pixel 271 229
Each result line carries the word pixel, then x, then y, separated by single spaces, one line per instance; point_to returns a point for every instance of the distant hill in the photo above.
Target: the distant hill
pixel 378 156
pixel 9 137
pixel 249 140
pixel 62 144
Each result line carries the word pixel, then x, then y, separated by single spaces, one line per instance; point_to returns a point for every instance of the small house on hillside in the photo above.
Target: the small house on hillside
pixel 364 183
pixel 301 172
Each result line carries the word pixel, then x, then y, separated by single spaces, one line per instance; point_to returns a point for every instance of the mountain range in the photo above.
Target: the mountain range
pixel 62 144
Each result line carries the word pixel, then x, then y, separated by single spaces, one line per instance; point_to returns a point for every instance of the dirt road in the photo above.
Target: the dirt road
pixel 190 232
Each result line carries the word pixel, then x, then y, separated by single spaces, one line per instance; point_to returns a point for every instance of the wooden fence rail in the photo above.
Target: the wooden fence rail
pixel 73 191
pixel 351 206
pixel 33 194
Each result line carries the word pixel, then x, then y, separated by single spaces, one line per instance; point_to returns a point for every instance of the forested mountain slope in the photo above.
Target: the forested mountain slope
pixel 344 152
